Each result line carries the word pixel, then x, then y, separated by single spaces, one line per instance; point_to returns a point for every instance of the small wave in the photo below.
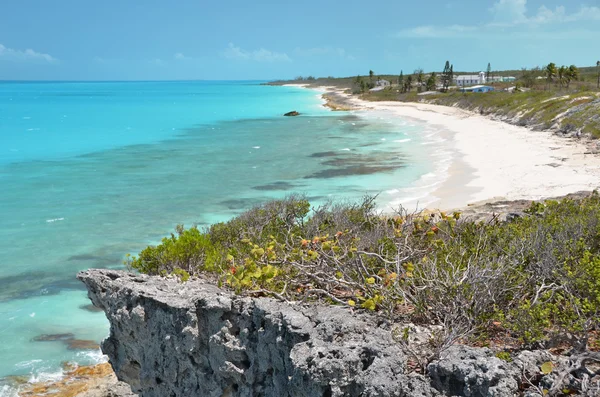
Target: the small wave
pixel 7 391
pixel 383 139
pixel 255 147
pixel 32 315
pixel 26 118
pixel 54 220
pixel 93 356
pixel 46 377
pixel 346 149
pixel 403 140
pixel 27 364
pixel 33 129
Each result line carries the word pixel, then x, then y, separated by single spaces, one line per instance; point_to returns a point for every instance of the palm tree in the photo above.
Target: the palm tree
pixel 550 72
pixel 598 70
pixel 371 74
pixel 562 75
pixel 572 74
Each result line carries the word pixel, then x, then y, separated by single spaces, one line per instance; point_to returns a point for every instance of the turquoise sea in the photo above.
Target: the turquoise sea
pixel 92 171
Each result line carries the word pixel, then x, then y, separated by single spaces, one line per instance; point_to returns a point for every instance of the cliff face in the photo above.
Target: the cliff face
pixel 193 339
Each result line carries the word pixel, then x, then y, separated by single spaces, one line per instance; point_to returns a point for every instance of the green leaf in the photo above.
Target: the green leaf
pixel 547 367
pixel 369 304
pixel 370 280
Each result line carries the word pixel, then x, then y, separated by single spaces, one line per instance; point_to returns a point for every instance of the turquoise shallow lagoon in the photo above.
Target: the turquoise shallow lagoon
pixel 92 171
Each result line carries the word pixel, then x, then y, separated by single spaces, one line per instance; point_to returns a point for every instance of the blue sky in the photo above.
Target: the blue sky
pixel 241 39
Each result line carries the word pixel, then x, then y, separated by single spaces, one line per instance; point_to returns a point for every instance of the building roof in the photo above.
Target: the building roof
pixel 468 77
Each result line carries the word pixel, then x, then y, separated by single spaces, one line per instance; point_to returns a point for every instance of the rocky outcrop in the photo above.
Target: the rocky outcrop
pixel 467 371
pixel 193 339
pixel 292 113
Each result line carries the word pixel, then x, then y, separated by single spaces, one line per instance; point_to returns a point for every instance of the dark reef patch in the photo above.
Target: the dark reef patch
pixel 241 203
pixel 69 340
pixel 280 185
pixel 54 337
pixel 351 170
pixel 324 154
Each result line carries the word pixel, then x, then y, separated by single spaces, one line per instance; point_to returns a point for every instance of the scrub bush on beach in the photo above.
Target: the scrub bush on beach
pixel 536 277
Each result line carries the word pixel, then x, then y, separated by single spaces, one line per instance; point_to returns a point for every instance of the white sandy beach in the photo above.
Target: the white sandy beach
pixel 495 160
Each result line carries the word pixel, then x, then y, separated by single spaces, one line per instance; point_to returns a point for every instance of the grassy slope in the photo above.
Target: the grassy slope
pixel 566 112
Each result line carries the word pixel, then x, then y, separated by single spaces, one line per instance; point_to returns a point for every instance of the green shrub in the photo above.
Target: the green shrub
pixel 538 276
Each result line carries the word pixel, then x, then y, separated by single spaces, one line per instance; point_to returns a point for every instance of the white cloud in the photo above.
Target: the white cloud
pixel 505 14
pixel 260 55
pixel 323 51
pixel 180 57
pixel 509 11
pixel 24 55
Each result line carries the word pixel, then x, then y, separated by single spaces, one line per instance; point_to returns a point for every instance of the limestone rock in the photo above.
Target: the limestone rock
pixel 473 372
pixel 193 339
pixel 292 113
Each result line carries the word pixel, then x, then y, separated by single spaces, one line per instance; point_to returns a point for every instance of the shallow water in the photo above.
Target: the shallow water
pixel 92 171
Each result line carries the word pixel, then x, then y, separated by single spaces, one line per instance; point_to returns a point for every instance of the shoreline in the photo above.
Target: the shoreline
pixel 491 160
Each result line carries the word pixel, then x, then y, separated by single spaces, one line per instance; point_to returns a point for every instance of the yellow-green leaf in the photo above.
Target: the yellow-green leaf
pixel 351 303
pixel 369 304
pixel 547 367
pixel 370 280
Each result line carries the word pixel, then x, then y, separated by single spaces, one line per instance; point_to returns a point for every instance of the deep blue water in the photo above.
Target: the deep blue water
pixel 92 171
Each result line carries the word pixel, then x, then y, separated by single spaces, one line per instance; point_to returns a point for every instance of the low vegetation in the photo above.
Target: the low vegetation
pixel 577 112
pixel 534 279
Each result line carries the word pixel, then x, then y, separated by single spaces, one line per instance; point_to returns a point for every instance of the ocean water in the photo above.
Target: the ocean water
pixel 92 171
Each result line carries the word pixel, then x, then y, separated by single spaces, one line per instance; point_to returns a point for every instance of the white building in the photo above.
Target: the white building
pixel 470 79
pixel 474 79
pixel 382 83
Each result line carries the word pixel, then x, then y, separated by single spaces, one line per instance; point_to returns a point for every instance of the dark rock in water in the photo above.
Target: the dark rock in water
pixel 292 113
pixel 81 344
pixel 69 340
pixel 90 308
pixel 276 186
pixel 54 337
pixel 324 154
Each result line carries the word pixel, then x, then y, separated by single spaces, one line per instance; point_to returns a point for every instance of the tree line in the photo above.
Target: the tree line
pixel 560 76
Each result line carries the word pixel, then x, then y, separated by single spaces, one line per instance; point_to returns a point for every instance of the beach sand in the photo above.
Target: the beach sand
pixel 492 160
